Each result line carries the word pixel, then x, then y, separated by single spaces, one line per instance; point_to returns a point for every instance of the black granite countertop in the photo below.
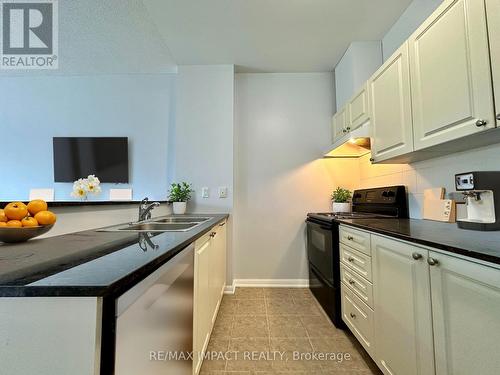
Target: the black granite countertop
pixel 89 263
pixel 444 236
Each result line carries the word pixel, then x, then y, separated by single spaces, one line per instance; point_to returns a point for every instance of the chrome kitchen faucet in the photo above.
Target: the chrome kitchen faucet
pixel 145 209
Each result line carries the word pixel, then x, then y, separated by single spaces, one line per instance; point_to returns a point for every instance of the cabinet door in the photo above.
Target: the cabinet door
pixel 403 328
pixel 221 258
pixel 339 124
pixel 202 309
pixel 466 316
pixel 217 267
pixel 359 109
pixel 391 107
pixel 493 14
pixel 450 74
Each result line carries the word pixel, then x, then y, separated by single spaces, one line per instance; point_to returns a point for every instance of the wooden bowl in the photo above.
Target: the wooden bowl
pixel 13 235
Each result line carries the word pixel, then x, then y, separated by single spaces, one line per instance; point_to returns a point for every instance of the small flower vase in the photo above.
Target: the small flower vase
pixel 179 208
pixel 341 207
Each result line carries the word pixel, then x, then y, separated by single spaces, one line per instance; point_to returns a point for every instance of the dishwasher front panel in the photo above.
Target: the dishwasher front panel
pixel 154 324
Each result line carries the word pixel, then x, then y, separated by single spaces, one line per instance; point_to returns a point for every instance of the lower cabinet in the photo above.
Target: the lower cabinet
pixel 433 313
pixel 466 316
pixel 403 327
pixel 359 318
pixel 210 278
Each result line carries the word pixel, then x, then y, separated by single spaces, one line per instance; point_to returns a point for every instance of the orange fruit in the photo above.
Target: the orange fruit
pixel 36 206
pixel 45 218
pixel 3 224
pixel 3 217
pixel 29 222
pixel 14 224
pixel 16 211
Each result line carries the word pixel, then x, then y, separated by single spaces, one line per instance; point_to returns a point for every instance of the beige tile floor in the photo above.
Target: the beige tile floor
pixel 275 323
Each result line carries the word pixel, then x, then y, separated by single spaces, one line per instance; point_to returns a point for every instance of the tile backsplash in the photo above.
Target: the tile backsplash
pixel 437 172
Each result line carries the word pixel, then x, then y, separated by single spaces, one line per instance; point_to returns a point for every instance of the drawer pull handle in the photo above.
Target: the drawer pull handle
pixel 416 256
pixel 352 282
pixel 350 259
pixel 432 261
pixel 350 238
pixel 353 315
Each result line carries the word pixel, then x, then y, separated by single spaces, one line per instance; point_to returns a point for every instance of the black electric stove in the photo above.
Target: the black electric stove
pixel 323 241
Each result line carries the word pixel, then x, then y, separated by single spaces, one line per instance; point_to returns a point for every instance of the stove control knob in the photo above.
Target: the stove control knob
pixel 385 193
pixel 391 194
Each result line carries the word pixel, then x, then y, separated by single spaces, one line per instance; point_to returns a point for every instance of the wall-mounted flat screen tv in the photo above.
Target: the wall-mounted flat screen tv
pixel 105 157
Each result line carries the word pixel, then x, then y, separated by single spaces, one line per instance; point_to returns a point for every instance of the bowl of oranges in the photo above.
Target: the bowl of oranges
pixel 21 222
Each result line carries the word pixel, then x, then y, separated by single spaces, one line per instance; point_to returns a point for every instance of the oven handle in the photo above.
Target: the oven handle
pixel 308 221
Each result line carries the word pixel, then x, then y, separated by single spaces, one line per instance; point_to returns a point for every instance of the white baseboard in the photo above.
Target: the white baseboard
pixel 271 283
pixel 229 289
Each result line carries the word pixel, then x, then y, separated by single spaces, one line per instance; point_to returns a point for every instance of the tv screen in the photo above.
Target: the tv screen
pixel 105 157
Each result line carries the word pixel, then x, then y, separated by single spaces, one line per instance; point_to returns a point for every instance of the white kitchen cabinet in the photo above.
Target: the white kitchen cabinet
pixel 390 101
pixel 210 280
pixel 202 304
pixel 452 95
pixel 493 15
pixel 466 316
pixel 217 278
pixel 359 318
pixel 359 112
pixel 402 305
pixel 339 124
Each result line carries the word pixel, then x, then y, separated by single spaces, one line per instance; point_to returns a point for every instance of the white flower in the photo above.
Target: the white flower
pixel 84 186
pixel 93 179
pixel 79 190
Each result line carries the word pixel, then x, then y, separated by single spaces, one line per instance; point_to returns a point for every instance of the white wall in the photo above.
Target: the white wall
pixel 203 149
pixel 438 172
pixel 410 20
pixel 359 62
pixel 281 127
pixel 204 133
pixel 34 109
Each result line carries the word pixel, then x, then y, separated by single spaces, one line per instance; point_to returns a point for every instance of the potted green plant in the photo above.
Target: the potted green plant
pixel 179 195
pixel 341 200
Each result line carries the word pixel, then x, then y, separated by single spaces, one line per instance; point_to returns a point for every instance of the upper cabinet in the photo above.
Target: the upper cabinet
pixel 339 124
pixel 452 94
pixel 358 107
pixel 389 92
pixel 493 14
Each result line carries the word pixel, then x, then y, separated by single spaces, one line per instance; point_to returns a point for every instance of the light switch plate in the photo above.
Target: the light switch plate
pixel 205 192
pixel 223 192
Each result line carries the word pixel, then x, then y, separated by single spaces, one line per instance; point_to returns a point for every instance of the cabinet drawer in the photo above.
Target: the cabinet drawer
pixel 356 239
pixel 357 284
pixel 356 261
pixel 359 318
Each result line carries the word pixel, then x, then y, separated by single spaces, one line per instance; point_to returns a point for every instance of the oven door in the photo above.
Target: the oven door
pixel 320 249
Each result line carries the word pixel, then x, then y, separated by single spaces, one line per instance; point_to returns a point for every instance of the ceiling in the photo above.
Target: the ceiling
pixel 107 37
pixel 270 35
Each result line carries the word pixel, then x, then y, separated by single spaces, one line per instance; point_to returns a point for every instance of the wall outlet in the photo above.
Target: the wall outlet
pixel 223 192
pixel 205 192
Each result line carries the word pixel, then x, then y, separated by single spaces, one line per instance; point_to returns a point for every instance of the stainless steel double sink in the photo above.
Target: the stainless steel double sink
pixel 166 224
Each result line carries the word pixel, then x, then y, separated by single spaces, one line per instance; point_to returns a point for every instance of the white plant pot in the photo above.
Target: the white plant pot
pixel 341 207
pixel 179 208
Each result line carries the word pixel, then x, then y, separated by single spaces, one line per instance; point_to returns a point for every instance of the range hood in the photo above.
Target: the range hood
pixel 352 145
